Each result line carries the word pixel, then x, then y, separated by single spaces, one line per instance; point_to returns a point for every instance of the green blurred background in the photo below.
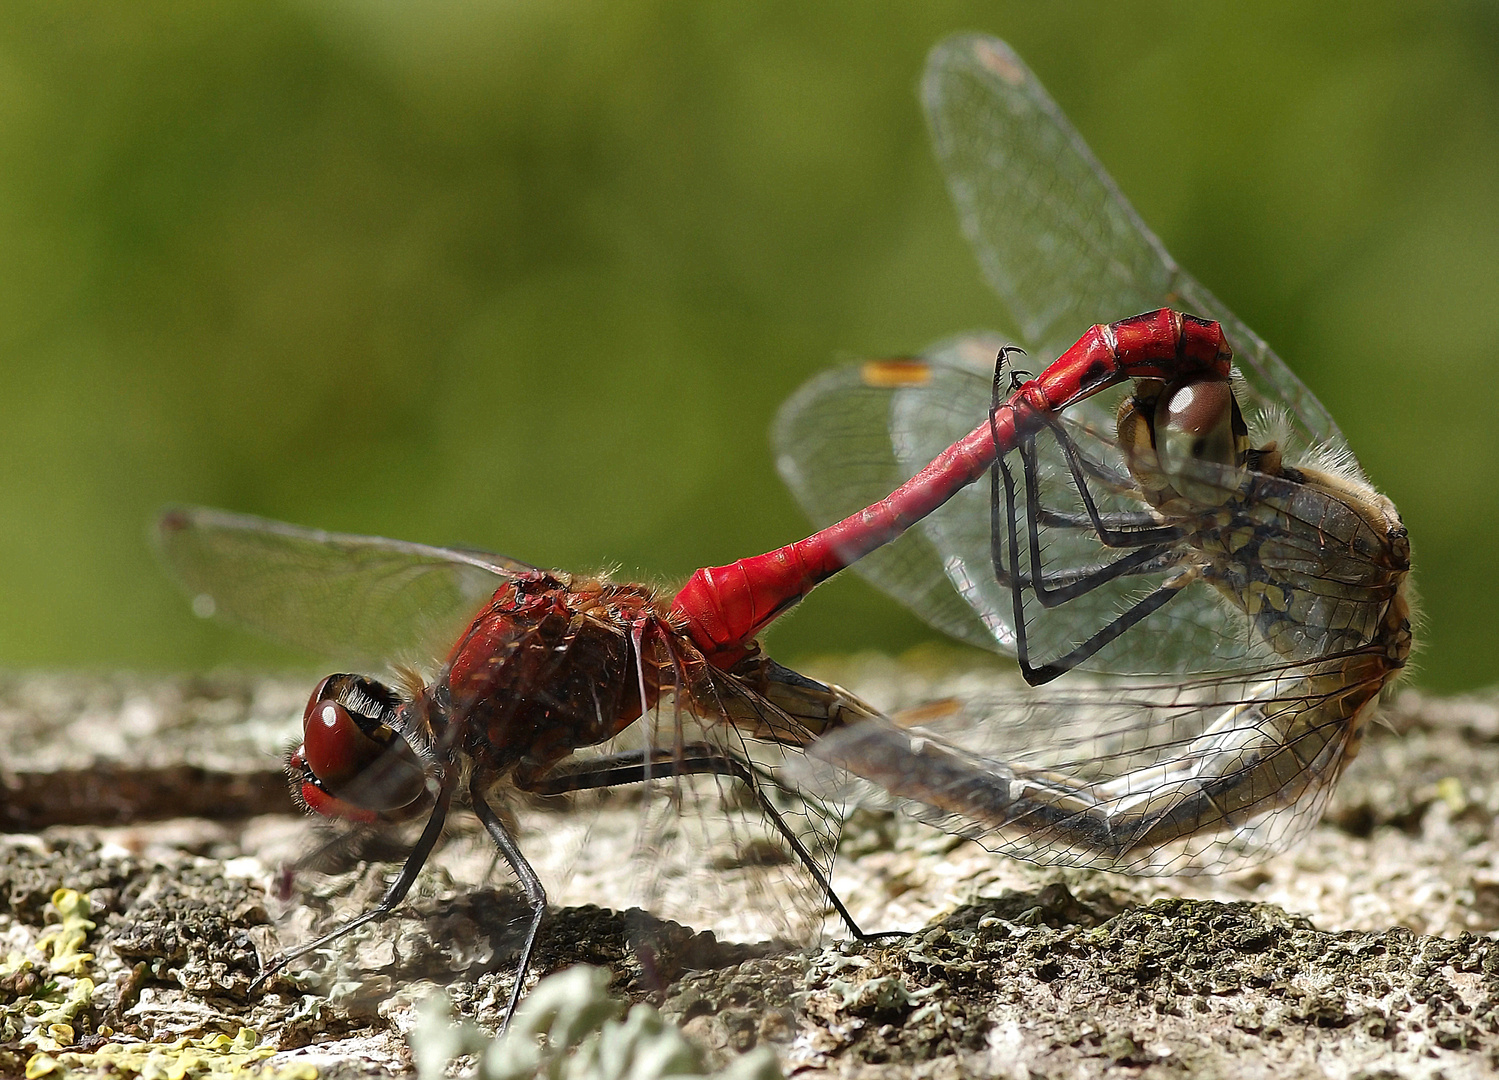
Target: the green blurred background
pixel 534 276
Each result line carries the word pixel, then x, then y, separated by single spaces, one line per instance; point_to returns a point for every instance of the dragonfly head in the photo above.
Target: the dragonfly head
pixel 1192 433
pixel 353 762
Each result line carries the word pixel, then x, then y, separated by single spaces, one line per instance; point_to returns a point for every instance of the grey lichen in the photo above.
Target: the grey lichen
pixel 569 1028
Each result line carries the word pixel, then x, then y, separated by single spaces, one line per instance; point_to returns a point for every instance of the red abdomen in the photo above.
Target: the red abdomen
pixel 725 607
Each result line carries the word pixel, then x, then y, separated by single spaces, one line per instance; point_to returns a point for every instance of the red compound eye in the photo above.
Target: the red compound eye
pixel 306 788
pixel 352 763
pixel 333 746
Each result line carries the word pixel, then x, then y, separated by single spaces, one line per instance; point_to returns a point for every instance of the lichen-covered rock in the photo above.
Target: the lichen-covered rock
pixel 1364 953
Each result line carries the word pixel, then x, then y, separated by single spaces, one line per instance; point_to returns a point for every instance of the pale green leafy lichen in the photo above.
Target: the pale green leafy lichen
pixel 64 944
pixel 42 1019
pixel 569 1029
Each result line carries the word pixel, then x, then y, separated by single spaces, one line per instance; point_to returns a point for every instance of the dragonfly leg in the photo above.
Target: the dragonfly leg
pixel 1116 528
pixel 1151 558
pixel 1125 530
pixel 630 767
pixel 1141 531
pixel 1001 476
pixel 1113 530
pixel 530 884
pixel 1150 544
pixel 694 759
pixel 394 893
pixel 1062 519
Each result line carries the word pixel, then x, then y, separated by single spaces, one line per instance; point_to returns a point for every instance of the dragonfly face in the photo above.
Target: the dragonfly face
pixel 1184 439
pixel 354 762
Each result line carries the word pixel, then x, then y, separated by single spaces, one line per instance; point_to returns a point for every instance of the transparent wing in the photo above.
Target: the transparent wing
pixel 755 845
pixel 1197 632
pixel 845 440
pixel 838 451
pixel 353 598
pixel 1065 250
pixel 724 835
pixel 1140 777
pixel 1054 235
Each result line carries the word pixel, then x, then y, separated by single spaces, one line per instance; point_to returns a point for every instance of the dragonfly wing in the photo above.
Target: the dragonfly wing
pixel 726 836
pixel 1054 235
pixel 835 450
pixel 1194 633
pixel 1133 777
pixel 846 439
pixel 766 830
pixel 345 597
pixel 1065 250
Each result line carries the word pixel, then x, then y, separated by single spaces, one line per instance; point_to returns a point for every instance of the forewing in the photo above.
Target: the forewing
pixel 350 598
pixel 1065 250
pixel 1054 235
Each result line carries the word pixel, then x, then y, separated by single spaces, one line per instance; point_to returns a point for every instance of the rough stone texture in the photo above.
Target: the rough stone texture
pixel 1367 952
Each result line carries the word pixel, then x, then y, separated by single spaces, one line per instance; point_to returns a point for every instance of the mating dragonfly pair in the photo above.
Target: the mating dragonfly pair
pixel 1174 531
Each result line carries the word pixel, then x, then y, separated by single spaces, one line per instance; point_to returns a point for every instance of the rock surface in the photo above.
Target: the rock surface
pixel 1366 952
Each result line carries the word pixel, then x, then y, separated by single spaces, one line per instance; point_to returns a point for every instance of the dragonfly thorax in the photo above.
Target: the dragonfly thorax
pixel 551 664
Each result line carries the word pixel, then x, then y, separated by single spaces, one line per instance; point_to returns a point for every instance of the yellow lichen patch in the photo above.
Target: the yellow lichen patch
pixel 53 1020
pixel 64 944
pixel 217 1057
pixel 47 1017
pixel 54 996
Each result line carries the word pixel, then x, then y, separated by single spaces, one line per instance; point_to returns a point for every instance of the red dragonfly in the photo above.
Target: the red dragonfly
pixel 1205 558
pixel 548 665
pixel 554 672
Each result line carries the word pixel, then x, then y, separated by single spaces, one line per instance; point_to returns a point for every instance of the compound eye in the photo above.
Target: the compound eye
pixel 333 746
pixel 1194 426
pixel 350 754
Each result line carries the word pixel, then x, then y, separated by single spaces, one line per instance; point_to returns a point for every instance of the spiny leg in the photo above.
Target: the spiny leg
pixel 530 884
pixel 694 759
pixel 1036 675
pixel 1007 570
pixel 394 893
pixel 1150 544
pixel 1120 530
